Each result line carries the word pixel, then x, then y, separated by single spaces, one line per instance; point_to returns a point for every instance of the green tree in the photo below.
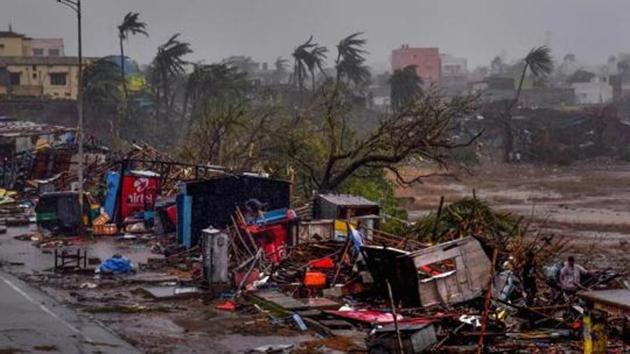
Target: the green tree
pixel 212 83
pixel 308 57
pixel 350 62
pixel 166 67
pixel 405 87
pixel 130 25
pixel 103 98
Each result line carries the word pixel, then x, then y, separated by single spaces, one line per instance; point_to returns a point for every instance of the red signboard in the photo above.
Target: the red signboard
pixel 138 194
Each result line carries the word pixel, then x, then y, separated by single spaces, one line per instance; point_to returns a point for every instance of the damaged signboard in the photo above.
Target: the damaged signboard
pixel 445 274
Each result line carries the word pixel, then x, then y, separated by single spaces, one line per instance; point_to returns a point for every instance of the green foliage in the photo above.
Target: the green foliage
pixel 378 188
pixel 539 61
pixel 308 57
pixel 466 156
pixel 350 63
pixel 131 25
pixel 406 87
pixel 466 217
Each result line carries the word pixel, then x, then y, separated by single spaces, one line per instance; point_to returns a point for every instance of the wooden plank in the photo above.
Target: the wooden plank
pixel 293 304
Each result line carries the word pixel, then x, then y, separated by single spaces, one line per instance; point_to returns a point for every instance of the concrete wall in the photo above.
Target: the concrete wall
pixel 13 47
pixel 427 60
pixel 38 76
pixel 46 44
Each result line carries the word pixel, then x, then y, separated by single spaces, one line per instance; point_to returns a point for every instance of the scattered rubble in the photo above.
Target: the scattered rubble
pixel 464 279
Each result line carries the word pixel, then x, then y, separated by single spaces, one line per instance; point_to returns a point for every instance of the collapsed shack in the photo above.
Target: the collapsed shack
pixel 445 274
pixel 447 296
pixel 31 151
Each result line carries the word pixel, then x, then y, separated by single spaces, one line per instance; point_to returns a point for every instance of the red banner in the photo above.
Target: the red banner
pixel 138 194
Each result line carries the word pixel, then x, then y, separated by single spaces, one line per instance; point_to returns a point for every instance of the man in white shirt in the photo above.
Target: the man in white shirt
pixel 571 275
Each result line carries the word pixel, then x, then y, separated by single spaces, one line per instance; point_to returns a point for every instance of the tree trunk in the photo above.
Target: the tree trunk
pixel 508 136
pixel 122 68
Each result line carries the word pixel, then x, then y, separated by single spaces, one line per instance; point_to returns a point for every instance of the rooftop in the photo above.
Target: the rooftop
pixel 10 128
pixel 618 298
pixel 11 34
pixel 347 199
pixel 4 61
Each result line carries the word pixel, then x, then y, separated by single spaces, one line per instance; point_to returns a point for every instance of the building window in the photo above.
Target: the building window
pixel 34 75
pixel 1 45
pixel 53 52
pixel 14 78
pixel 38 52
pixel 58 79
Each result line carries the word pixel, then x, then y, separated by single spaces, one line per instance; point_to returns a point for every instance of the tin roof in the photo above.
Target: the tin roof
pixel 15 128
pixel 347 199
pixel 619 298
pixel 11 34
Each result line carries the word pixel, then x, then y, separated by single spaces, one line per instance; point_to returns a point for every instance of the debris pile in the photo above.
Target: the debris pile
pixel 465 278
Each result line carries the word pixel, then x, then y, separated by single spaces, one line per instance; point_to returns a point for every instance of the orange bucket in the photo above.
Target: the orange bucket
pixel 315 279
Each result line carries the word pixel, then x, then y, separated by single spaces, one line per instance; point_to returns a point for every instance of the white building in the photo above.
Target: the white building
pixel 598 90
pixel 454 78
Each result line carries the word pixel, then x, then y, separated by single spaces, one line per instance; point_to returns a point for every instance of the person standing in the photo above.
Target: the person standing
pixel 571 276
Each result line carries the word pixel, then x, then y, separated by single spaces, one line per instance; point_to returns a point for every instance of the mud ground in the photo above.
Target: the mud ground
pixel 190 325
pixel 589 204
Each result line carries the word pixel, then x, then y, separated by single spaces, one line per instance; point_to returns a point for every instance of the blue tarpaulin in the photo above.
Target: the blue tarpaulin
pixel 116 264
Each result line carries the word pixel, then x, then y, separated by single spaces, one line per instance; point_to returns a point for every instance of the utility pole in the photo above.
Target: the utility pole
pixel 75 5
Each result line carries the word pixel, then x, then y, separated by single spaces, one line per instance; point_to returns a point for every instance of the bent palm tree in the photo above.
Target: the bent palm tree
pixel 167 64
pixel 351 59
pixel 301 56
pixel 130 25
pixel 308 57
pixel 538 60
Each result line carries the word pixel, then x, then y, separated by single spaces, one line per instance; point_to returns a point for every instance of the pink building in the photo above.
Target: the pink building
pixel 427 61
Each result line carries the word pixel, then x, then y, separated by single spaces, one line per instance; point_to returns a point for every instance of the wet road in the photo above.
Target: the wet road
pixel 32 322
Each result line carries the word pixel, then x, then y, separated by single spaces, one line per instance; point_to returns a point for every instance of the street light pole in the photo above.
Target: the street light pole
pixel 75 5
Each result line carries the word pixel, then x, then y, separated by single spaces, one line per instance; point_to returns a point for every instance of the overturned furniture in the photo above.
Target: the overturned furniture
pixel 444 274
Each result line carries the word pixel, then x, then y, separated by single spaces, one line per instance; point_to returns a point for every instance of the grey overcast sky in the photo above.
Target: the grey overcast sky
pixel 265 29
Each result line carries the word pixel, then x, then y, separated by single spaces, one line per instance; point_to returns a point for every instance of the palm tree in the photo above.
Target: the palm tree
pixel 103 97
pixel 539 62
pixel 167 65
pixel 222 82
pixel 130 25
pixel 301 55
pixel 316 62
pixel 308 57
pixel 405 87
pixel 350 63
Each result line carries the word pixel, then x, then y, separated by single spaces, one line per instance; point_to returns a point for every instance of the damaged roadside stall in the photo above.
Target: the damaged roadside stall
pixel 214 202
